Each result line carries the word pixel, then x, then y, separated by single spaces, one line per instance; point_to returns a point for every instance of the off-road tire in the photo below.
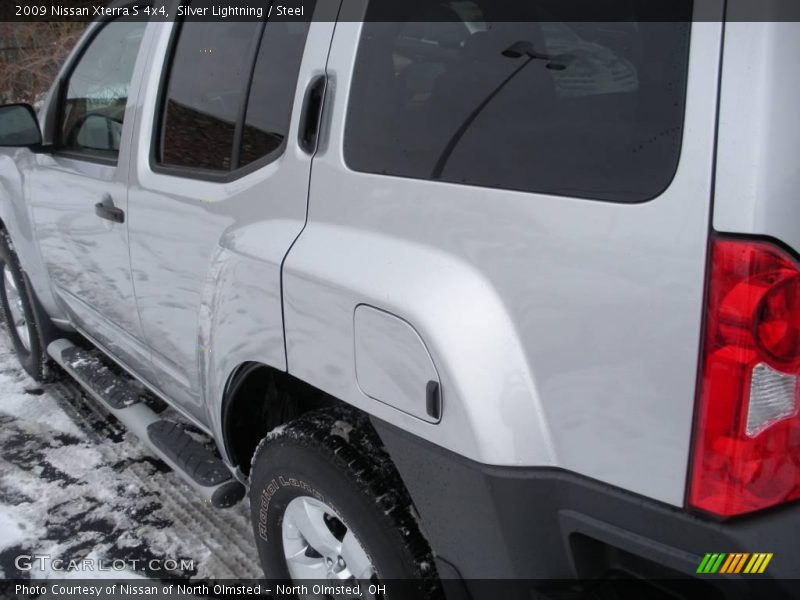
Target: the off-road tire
pixel 335 456
pixel 33 359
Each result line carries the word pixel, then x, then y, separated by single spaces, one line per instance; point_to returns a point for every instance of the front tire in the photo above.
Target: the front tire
pixel 18 313
pixel 327 503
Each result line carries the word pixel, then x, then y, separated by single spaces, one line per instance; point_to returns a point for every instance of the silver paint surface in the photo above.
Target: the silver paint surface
pixel 565 332
pixel 206 257
pixel 758 177
pixel 393 365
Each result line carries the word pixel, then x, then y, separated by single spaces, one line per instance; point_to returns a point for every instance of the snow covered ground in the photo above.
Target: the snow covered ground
pixel 74 485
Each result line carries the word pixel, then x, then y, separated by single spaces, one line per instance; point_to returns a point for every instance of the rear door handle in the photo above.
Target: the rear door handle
pixel 311 116
pixel 106 210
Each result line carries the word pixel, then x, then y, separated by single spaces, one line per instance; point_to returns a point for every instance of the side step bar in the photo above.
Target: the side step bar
pixel 197 464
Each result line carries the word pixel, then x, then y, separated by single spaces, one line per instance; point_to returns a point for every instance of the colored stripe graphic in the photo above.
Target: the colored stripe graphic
pixel 763 566
pixel 753 562
pixel 715 567
pixel 736 558
pixel 727 564
pixel 734 563
pixel 740 564
pixel 759 563
pixel 710 563
pixel 702 567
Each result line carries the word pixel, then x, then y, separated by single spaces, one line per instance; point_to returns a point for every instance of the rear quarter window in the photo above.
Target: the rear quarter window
pixel 542 104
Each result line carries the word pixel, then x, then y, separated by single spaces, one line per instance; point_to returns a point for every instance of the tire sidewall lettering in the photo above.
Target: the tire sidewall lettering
pixel 275 485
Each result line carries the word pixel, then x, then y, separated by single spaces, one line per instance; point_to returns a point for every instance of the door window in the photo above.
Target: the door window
pixel 205 93
pixel 93 111
pixel 272 91
pixel 228 99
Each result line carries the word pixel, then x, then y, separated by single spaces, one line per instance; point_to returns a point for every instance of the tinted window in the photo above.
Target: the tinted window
pixel 210 68
pixel 229 98
pixel 97 91
pixel 588 109
pixel 269 105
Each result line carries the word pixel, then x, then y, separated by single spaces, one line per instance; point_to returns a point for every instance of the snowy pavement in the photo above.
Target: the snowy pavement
pixel 75 485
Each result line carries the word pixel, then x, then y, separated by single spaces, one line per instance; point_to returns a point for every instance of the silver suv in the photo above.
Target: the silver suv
pixel 471 289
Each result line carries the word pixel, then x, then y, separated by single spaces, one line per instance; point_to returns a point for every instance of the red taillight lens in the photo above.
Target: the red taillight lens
pixel 747 435
pixel 778 324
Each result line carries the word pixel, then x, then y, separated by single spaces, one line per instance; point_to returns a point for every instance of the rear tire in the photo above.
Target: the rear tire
pixel 18 313
pixel 327 503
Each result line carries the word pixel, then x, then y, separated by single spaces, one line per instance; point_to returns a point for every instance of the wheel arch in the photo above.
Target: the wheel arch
pixel 16 221
pixel 47 329
pixel 258 398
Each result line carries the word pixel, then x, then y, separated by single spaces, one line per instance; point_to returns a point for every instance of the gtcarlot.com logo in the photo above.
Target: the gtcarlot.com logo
pixel 734 563
pixel 44 562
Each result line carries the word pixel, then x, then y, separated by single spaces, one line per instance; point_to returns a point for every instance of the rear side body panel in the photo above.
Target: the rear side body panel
pixel 758 179
pixel 565 332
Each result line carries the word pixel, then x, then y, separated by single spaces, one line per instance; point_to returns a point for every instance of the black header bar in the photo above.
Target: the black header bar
pixel 21 11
